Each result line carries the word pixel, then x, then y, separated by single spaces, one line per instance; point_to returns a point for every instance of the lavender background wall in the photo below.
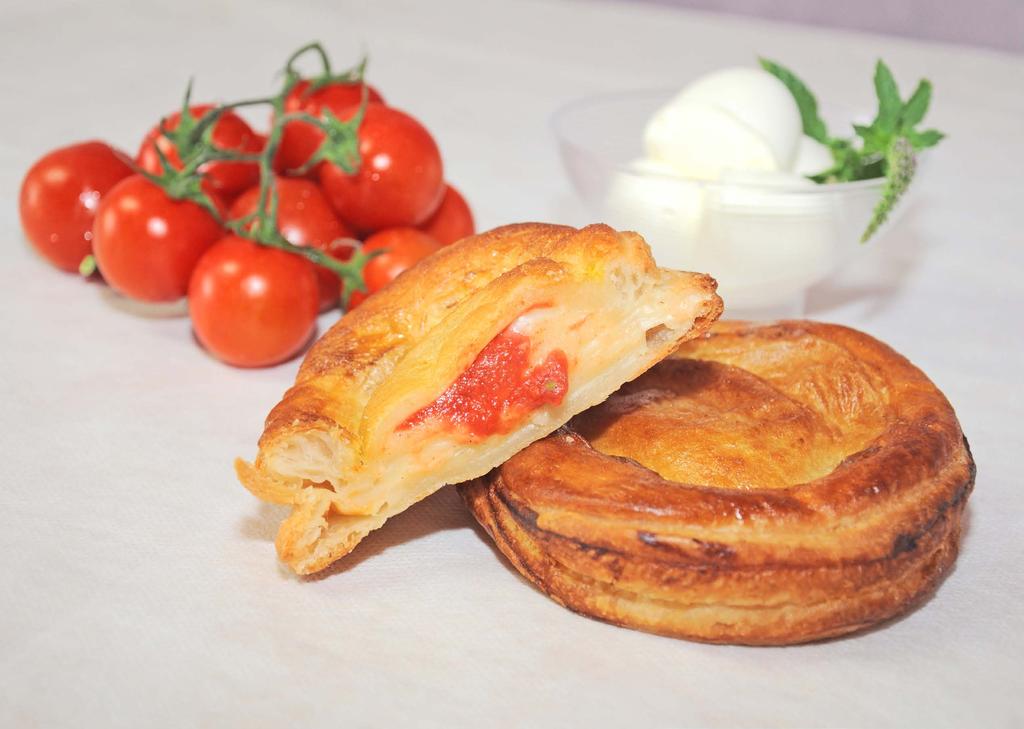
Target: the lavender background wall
pixel 995 24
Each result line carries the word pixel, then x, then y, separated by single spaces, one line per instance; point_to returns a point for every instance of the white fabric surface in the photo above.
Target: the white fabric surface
pixel 140 583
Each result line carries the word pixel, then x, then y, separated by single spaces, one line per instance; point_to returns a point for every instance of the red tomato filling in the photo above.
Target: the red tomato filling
pixel 499 388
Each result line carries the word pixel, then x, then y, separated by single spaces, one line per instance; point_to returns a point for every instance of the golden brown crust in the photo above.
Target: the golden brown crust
pixel 799 481
pixel 404 346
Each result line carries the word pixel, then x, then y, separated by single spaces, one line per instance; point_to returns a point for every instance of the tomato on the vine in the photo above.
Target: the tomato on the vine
pixel 304 218
pixel 252 305
pixel 299 140
pixel 229 132
pixel 59 197
pixel 146 243
pixel 452 221
pixel 403 248
pixel 400 181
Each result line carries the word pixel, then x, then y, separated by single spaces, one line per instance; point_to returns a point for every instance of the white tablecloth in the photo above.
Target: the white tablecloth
pixel 140 586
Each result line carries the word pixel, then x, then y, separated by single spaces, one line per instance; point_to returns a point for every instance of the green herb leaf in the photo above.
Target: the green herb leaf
pixel 925 139
pixel 814 126
pixel 889 104
pixel 884 148
pixel 901 165
pixel 917 105
pixel 875 141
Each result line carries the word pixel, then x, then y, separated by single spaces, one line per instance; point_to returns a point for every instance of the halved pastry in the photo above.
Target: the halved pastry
pixel 461 362
pixel 767 484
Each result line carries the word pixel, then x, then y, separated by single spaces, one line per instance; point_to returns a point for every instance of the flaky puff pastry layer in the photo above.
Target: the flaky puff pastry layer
pixel 334 448
pixel 768 484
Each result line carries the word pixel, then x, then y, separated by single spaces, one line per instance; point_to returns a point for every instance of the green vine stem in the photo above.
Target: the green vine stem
pixel 352 75
pixel 193 141
pixel 315 47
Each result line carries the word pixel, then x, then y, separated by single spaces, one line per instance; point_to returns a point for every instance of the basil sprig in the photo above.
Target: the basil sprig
pixel 886 147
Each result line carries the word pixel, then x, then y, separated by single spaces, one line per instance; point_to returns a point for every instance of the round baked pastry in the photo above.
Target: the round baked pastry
pixel 463 360
pixel 767 484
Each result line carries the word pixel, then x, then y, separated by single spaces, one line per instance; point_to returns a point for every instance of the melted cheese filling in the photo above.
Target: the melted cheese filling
pixel 507 380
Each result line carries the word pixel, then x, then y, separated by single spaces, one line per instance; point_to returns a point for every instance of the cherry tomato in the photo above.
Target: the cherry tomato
pixel 59 197
pixel 251 305
pixel 405 247
pixel 305 218
pixel 147 244
pixel 400 181
pixel 230 132
pixel 452 221
pixel 299 140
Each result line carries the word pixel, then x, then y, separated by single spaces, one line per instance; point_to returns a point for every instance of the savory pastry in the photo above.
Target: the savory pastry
pixel 464 360
pixel 768 484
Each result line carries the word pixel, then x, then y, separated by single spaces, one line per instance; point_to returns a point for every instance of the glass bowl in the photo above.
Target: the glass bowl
pixel 765 239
